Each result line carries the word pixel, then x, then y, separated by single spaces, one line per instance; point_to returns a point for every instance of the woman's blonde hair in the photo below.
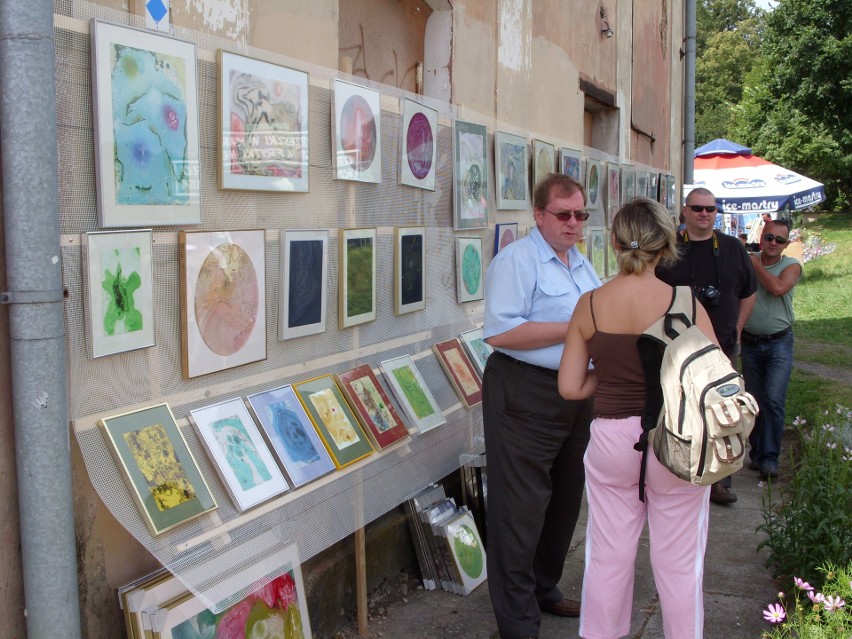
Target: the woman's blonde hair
pixel 642 230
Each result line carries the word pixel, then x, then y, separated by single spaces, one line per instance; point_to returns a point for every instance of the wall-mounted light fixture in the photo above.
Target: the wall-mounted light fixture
pixel 605 28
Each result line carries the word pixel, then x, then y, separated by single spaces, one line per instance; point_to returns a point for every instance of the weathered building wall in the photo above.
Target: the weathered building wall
pixel 516 62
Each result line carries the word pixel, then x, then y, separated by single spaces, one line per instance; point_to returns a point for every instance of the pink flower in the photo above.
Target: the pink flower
pixel 233 622
pixel 802 585
pixel 816 597
pixel 833 604
pixel 774 613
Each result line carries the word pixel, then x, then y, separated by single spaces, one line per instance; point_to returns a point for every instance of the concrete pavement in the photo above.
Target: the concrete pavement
pixel 737 587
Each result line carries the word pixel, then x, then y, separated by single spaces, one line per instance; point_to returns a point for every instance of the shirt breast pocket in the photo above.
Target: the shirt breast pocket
pixel 552 302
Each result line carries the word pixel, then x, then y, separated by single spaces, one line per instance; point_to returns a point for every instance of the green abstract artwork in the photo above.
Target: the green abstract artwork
pixel 119 283
pixel 415 395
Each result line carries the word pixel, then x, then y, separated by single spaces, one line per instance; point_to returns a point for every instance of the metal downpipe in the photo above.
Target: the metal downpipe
pixel 31 220
pixel 689 92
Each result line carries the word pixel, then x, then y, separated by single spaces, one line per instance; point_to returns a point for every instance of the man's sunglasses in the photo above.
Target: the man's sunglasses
pixel 775 238
pixel 697 208
pixel 564 216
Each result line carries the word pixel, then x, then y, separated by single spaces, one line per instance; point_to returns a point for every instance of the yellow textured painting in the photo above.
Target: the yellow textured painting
pixel 155 456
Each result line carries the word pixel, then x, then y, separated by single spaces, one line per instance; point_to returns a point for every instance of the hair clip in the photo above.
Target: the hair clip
pixel 634 244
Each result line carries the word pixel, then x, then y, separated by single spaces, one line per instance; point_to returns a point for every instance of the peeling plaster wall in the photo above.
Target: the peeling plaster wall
pixel 474 56
pixel 514 61
pixel 227 18
pixel 303 30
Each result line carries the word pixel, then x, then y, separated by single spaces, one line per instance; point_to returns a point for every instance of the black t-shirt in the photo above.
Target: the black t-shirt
pixel 731 272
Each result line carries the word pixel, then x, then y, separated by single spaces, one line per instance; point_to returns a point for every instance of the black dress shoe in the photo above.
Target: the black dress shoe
pixel 563 608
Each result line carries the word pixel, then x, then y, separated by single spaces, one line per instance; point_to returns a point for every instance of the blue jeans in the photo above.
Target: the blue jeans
pixel 766 368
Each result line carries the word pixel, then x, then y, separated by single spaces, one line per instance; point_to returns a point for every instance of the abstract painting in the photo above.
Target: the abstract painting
pixel 671 193
pixel 374 410
pixel 643 182
pixel 357 133
pixel 469 269
pixel 335 422
pixel 278 608
pixel 597 251
pixel 510 158
pixel 418 145
pixel 467 551
pixel 303 294
pixel 357 277
pixel 238 451
pixel 662 193
pixel 120 291
pixel 223 299
pixel 628 183
pixel 504 234
pixel 263 125
pixel 611 260
pixel 594 184
pixel 146 128
pixel 571 163
pixel 291 434
pixel 160 471
pixel 409 292
pixel 460 371
pixel 613 191
pixel 544 160
pixel 477 349
pixel 411 392
pixel 470 172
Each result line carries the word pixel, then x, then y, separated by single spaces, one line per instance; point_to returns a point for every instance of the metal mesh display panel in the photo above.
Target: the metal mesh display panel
pixel 221 556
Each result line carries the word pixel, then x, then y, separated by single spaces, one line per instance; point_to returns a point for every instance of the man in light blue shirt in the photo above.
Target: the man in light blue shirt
pixel 534 439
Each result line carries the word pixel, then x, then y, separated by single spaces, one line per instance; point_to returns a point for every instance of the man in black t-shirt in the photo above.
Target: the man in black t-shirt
pixel 720 273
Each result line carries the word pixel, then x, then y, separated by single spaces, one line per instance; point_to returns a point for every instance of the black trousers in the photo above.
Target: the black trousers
pixel 535 443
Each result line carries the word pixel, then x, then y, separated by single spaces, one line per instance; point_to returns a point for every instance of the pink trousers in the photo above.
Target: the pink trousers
pixel 677 514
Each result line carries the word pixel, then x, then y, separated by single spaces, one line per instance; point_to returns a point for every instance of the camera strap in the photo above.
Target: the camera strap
pixel 716 252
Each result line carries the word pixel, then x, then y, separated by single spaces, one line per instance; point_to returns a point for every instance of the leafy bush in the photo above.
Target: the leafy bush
pixel 812 525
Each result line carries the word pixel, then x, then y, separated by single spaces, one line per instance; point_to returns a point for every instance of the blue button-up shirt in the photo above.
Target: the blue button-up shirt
pixel 527 282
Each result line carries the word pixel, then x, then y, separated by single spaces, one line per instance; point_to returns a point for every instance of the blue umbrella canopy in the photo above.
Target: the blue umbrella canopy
pixel 722 146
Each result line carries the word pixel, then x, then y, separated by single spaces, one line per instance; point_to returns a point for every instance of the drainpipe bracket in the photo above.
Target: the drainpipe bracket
pixel 32 297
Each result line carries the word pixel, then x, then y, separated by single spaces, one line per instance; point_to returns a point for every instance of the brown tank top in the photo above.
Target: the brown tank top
pixel 621 383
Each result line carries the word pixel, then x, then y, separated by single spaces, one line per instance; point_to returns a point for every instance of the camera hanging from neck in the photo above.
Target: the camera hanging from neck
pixel 709 295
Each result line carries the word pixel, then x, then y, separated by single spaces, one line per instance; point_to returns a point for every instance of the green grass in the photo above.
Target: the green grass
pixel 823 298
pixel 809 395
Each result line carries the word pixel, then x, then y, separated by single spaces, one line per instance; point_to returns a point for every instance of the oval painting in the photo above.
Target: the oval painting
pixel 226 299
pixel 358 133
pixel 471 269
pixel 419 144
pixel 594 183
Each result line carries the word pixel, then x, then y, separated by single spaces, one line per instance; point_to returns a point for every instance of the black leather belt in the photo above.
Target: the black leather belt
pixel 748 338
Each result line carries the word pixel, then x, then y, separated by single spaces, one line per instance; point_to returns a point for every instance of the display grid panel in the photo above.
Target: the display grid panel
pixel 326 511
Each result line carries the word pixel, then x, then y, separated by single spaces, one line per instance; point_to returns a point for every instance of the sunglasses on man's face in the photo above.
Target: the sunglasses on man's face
pixel 564 216
pixel 697 208
pixel 774 238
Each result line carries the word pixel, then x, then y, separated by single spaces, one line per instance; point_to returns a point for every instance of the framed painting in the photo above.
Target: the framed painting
pixel 594 184
pixel 234 443
pixel 160 471
pixel 263 125
pixel 409 262
pixel 597 251
pixel 653 186
pixel 460 371
pixel 504 234
pixel 466 550
pixel 643 180
pixel 611 259
pixel 146 593
pixel 411 392
pixel 510 160
pixel 571 163
pixel 613 199
pixel 145 116
pixel 357 277
pixel 671 193
pixel 291 434
pixel 120 291
pixel 470 172
pixel 303 281
pixel 357 133
pixel 469 273
pixel 342 435
pixel 477 349
pixel 544 160
pixel 276 608
pixel 374 410
pixel 662 193
pixel 628 183
pixel 418 145
pixel 223 299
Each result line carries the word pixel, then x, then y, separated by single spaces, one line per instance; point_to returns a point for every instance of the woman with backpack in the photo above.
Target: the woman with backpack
pixel 604 330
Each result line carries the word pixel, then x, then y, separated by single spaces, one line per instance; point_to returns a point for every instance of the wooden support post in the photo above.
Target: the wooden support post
pixel 361 580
